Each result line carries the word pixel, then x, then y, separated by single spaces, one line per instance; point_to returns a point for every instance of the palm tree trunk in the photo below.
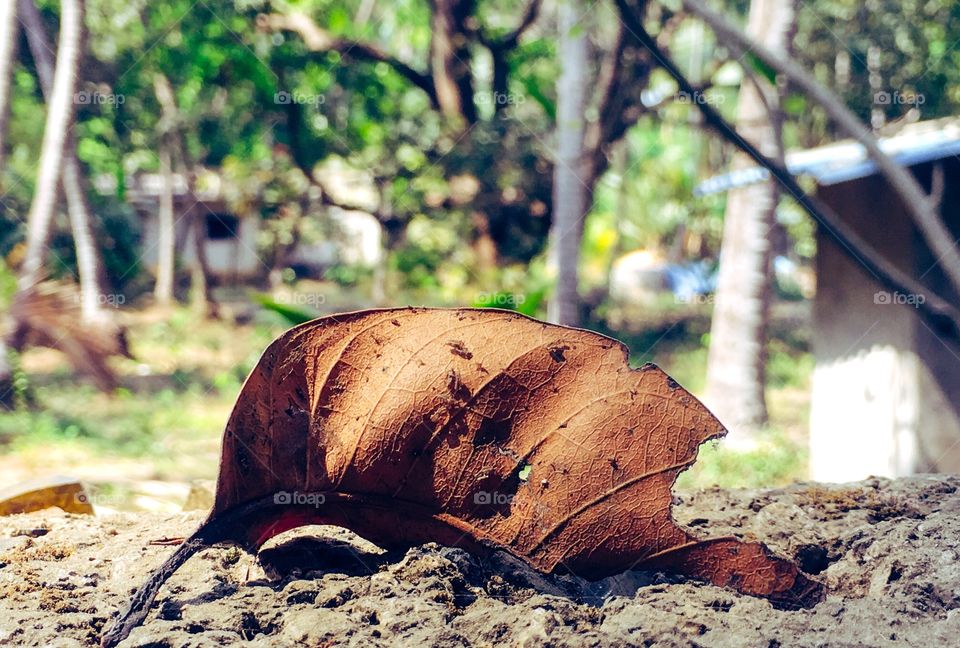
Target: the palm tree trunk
pixel 736 364
pixel 8 36
pixel 55 136
pixel 56 129
pixel 163 290
pixel 89 263
pixel 166 221
pixel 571 195
pixel 8 46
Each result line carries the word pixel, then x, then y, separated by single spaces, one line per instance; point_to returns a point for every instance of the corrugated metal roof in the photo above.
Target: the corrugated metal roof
pixel 847 160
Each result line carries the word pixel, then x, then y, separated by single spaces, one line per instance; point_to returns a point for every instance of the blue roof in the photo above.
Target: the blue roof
pixel 844 161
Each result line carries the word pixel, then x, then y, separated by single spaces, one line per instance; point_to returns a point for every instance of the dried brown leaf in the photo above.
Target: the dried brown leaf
pixel 477 428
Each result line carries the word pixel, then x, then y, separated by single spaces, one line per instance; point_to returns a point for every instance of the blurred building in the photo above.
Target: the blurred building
pixel 886 387
pixel 231 241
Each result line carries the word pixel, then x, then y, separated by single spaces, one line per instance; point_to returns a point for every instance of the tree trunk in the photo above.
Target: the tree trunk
pixel 736 364
pixel 166 218
pixel 450 58
pixel 7 395
pixel 484 247
pixel 8 36
pixel 8 47
pixel 571 196
pixel 89 263
pixel 58 124
pixel 166 224
pixel 201 294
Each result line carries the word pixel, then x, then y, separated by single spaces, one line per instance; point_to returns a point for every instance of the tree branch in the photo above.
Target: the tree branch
pixel 299 158
pixel 916 202
pixel 451 58
pixel 318 39
pixel 608 85
pixel 500 47
pixel 297 154
pixel 623 74
pixel 510 40
pixel 943 316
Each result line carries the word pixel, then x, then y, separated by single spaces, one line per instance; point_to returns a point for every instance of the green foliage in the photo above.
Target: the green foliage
pixel 527 304
pixel 119 235
pixel 760 67
pixel 292 315
pixel 348 275
pixel 227 75
pixel 8 284
pixel 22 396
pixel 645 202
pixel 165 422
pixel 788 368
pixel 907 46
pixel 141 429
pixel 776 461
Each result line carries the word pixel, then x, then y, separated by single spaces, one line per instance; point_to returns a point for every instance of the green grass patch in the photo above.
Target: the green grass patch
pixel 775 461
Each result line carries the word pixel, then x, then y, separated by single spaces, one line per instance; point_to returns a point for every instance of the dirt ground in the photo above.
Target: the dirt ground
pixel 889 552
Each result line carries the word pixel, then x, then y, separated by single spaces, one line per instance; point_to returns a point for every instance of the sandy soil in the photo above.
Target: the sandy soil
pixel 888 551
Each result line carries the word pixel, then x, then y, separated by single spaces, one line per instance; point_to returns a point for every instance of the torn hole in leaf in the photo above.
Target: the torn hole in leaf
pixel 525 470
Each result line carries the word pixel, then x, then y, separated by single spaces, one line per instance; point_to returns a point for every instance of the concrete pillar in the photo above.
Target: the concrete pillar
pixel 886 390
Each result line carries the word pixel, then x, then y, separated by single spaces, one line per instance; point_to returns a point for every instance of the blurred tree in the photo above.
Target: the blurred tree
pixel 8 46
pixel 8 35
pixel 884 67
pixel 736 376
pixel 201 294
pixel 166 218
pixel 269 111
pixel 89 263
pixel 193 95
pixel 571 195
pixel 174 151
pixel 58 124
pixel 468 148
pixel 920 206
